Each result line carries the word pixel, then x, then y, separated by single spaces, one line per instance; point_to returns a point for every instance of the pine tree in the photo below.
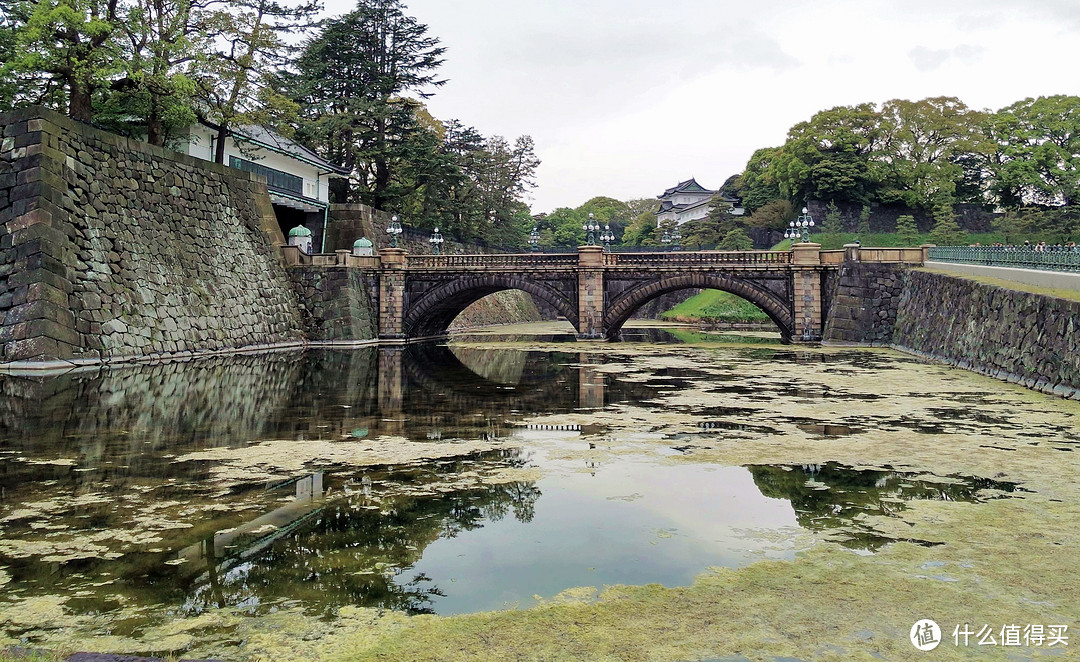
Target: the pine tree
pixel 832 224
pixel 864 220
pixel 353 85
pixel 906 230
pixel 946 231
pixel 737 240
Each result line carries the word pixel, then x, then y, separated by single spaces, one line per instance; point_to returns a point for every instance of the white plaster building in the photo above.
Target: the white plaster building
pixel 296 177
pixel 688 201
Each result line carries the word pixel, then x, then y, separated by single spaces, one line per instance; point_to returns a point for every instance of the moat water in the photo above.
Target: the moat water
pixel 495 472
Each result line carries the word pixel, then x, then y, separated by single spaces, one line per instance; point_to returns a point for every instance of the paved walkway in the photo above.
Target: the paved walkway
pixel 1052 280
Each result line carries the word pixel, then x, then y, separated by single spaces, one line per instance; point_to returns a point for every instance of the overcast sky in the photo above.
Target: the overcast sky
pixel 625 98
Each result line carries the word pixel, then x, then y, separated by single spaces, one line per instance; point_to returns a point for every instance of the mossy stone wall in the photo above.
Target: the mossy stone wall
pixel 1022 337
pixel 110 248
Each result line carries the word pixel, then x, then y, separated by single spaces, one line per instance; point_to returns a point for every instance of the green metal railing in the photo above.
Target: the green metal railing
pixel 1018 257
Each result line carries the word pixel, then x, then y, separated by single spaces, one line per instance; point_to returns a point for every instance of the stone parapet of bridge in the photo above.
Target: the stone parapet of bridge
pixel 597 290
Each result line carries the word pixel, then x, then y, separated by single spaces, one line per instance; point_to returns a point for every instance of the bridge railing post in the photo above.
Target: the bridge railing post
pixel 851 252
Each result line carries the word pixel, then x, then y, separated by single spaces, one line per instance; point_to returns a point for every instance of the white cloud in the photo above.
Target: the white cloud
pixel 929 59
pixel 627 97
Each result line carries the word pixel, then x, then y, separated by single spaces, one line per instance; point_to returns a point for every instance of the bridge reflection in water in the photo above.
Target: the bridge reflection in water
pixel 341 534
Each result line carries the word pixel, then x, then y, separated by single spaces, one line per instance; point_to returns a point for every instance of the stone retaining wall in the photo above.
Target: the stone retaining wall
pixel 110 247
pixel 1022 337
pixel 338 303
pixel 863 304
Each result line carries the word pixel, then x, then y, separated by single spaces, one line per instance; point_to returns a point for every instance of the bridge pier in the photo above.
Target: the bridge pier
pixel 591 293
pixel 392 293
pixel 806 275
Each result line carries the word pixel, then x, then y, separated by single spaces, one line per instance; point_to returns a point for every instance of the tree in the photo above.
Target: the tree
pixel 906 230
pixel 62 51
pixel 565 224
pixel 1038 144
pixel 923 145
pixel 829 156
pixel 832 223
pixel 161 39
pixel 352 85
pixel 946 231
pixel 641 230
pixel 758 184
pixel 235 81
pixel 505 173
pixel 1013 224
pixel 773 215
pixel 736 240
pixel 864 220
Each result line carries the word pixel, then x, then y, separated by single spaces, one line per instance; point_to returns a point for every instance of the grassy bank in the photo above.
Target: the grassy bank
pixel 715 306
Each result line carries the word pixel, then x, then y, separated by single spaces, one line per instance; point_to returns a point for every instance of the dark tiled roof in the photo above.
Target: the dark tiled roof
pixel 263 136
pixel 689 186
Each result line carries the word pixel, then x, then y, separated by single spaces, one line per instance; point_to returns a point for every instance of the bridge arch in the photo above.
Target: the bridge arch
pixel 433 312
pixel 776 307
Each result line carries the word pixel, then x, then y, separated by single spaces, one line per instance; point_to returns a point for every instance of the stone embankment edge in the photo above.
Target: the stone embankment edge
pixel 1060 390
pixel 62 366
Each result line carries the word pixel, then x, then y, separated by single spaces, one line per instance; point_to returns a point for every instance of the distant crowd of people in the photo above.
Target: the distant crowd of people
pixel 1037 247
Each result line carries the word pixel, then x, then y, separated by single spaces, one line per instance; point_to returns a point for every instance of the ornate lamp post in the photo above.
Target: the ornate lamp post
pixel 800 227
pixel 534 239
pixel 590 227
pixel 607 237
pixel 436 241
pixel 394 230
pixel 665 239
pixel 675 237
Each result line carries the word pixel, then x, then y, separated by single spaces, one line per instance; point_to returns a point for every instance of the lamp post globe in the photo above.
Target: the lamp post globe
pixel 590 227
pixel 607 237
pixel 534 239
pixel 436 242
pixel 394 230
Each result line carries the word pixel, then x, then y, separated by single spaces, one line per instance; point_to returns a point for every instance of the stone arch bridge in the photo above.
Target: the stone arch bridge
pixel 597 291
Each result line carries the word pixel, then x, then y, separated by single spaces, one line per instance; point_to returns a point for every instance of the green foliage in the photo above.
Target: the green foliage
pixel 864 220
pixel 922 143
pixel 565 224
pixel 62 52
pixel 736 240
pixel 351 82
pixel 774 215
pixel 1039 157
pixel 641 231
pixel 709 231
pixel 832 219
pixel 906 230
pixel 946 231
pixel 234 77
pixel 155 96
pixel 758 184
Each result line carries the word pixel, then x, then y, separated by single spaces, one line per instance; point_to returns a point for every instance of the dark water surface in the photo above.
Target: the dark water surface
pixel 129 495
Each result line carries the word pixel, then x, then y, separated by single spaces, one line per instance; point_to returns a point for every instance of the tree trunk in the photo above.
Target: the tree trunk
pixel 80 103
pixel 382 182
pixel 219 150
pixel 155 132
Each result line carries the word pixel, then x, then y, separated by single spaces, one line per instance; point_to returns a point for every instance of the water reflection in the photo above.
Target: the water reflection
pixel 111 498
pixel 832 497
